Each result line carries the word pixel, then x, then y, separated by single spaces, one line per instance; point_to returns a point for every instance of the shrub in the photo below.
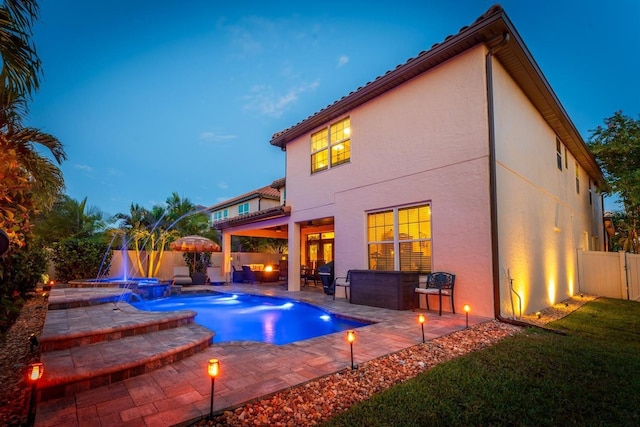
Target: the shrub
pixel 20 272
pixel 80 259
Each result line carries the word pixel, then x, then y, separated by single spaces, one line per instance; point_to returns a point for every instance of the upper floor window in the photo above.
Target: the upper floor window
pixel 400 239
pixel 577 178
pixel 331 146
pixel 243 208
pixel 559 153
pixel 220 215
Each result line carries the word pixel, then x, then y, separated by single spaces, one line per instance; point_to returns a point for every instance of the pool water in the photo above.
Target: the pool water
pixel 244 317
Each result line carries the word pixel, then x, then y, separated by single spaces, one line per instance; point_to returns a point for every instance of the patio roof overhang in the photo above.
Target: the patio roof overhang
pixel 253 218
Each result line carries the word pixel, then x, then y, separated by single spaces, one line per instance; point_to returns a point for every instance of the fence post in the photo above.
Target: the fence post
pixel 624 276
pixel 580 270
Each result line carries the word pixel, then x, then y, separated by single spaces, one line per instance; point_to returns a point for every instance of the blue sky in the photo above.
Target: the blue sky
pixel 151 97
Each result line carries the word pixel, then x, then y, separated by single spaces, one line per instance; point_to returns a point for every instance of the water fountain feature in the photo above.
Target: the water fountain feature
pixel 146 287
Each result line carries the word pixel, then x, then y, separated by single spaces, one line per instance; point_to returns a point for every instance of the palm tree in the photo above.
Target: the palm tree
pixel 34 181
pixel 21 66
pixel 70 218
pixel 186 219
pixel 149 231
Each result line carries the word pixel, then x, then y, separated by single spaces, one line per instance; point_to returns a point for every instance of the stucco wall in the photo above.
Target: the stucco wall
pixel 543 221
pixel 425 141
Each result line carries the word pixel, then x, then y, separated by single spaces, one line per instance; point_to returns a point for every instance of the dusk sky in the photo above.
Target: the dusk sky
pixel 151 97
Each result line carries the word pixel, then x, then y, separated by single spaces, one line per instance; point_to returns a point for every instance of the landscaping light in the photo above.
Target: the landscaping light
pixel 34 373
pixel 351 337
pixel 467 309
pixel 213 369
pixel 538 314
pixel 421 320
pixel 268 268
pixel 33 342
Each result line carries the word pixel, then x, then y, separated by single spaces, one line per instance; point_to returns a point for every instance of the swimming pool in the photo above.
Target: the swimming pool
pixel 245 317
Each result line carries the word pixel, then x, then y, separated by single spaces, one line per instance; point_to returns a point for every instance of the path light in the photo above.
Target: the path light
pixel 33 343
pixel 421 320
pixel 351 337
pixel 213 369
pixel 467 309
pixel 34 373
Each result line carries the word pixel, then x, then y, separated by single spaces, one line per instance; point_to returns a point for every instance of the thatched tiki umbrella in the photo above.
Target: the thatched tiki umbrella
pixel 194 244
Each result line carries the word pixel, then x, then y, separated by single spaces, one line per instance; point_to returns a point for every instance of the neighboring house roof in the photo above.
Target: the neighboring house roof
pixel 267 192
pixel 270 213
pixel 279 183
pixel 515 58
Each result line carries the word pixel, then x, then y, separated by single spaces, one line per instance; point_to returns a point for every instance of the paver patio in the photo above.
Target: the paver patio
pixel 179 393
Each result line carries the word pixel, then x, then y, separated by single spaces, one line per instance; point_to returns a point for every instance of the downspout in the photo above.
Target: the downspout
pixel 493 191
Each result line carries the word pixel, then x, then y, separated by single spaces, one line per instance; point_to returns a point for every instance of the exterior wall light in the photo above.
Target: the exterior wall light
pixel 351 337
pixel 213 369
pixel 467 309
pixel 421 320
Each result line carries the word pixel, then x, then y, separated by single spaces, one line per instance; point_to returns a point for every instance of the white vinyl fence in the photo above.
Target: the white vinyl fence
pixel 609 274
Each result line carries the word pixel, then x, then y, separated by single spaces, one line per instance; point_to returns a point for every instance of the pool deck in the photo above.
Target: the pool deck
pixel 179 393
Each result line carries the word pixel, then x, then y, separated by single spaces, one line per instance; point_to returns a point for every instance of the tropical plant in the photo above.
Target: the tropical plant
pixel 29 181
pixel 21 271
pixel 70 218
pixel 185 217
pixel 80 259
pixel 148 234
pixel 616 146
pixel 626 235
pixel 21 66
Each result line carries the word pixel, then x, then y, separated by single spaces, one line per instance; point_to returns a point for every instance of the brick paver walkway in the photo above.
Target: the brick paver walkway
pixel 180 393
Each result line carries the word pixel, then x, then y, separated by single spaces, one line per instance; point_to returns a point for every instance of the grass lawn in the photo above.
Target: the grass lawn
pixel 591 376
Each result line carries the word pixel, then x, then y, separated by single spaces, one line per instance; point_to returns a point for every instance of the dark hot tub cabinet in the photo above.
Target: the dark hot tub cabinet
pixel 384 289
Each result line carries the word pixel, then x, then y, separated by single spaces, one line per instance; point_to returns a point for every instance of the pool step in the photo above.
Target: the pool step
pixel 90 324
pixel 80 353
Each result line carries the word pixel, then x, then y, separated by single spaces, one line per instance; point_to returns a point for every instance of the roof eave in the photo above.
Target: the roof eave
pixel 515 58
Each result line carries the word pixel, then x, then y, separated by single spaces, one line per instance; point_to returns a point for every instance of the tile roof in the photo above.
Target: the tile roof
pixel 489 29
pixel 266 192
pixel 253 217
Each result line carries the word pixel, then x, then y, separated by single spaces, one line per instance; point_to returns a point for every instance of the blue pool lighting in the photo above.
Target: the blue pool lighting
pixel 244 317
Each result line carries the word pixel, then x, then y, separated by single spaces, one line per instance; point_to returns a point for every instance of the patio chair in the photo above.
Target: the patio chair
pixel 344 282
pixel 214 276
pixel 438 283
pixel 181 276
pixel 248 276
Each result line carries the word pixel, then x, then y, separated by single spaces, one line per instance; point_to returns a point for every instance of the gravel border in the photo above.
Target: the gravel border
pixel 15 356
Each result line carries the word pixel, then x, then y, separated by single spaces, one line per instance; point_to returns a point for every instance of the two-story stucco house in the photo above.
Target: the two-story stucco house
pixel 461 160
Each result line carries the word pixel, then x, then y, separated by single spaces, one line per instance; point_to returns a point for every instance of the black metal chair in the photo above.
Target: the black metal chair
pixel 439 283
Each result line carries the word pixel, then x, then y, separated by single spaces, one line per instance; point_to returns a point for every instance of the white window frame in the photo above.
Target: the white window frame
pixel 331 144
pixel 396 234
